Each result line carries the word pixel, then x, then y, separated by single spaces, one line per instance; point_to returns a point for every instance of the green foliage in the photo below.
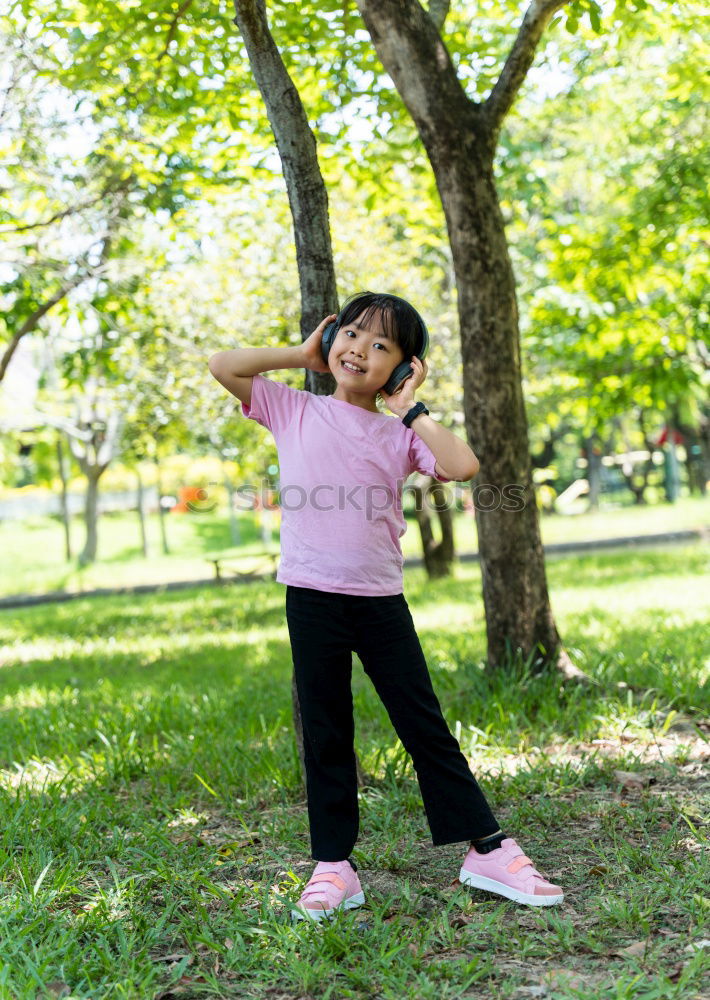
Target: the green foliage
pixel 601 186
pixel 608 231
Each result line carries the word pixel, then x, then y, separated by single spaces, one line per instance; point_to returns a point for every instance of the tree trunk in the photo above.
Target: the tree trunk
pixel 629 471
pixel 438 556
pixel 94 446
pixel 63 500
pixel 696 457
pixel 459 137
pixel 671 479
pixel 161 511
pixel 233 522
pixel 593 455
pixel 704 441
pixel 140 503
pixel 307 194
pixel 91 515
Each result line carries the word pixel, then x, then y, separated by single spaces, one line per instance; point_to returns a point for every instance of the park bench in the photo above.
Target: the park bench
pixel 236 558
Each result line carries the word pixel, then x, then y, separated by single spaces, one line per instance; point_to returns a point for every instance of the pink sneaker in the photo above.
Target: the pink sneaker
pixel 507 871
pixel 333 886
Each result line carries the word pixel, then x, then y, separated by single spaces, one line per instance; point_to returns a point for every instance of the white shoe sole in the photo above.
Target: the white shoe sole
pixel 303 913
pixel 490 885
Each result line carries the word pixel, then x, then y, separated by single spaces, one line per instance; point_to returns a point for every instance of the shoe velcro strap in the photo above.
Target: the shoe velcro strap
pixel 518 863
pixel 329 877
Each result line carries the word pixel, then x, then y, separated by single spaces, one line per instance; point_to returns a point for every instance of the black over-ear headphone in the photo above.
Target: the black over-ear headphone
pixel 402 371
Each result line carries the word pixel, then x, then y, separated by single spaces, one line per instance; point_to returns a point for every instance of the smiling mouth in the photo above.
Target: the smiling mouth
pixel 353 371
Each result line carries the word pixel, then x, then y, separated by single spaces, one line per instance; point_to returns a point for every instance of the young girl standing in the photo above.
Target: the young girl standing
pixel 342 466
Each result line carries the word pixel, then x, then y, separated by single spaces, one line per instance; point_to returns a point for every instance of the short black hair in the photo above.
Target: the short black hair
pixel 400 320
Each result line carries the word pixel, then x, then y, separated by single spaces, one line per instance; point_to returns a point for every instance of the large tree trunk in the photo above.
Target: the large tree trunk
pixel 460 137
pixel 308 200
pixel 307 194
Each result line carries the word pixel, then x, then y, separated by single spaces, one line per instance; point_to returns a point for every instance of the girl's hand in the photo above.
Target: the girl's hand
pixel 311 348
pixel 401 401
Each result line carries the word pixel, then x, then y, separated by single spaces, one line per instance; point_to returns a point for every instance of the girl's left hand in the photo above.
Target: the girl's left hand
pixel 401 401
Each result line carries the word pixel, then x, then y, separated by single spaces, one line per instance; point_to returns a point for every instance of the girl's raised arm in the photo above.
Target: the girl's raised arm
pixel 235 369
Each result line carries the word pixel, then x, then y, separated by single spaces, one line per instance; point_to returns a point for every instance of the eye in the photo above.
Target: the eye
pixel 377 343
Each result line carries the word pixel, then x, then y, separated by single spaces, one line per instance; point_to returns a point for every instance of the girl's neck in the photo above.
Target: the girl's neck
pixel 355 399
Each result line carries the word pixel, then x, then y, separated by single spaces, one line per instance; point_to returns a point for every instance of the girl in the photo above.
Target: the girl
pixel 342 466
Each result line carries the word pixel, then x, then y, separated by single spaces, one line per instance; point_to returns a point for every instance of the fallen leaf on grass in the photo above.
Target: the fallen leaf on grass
pixel 177 957
pixel 632 951
pixel 226 848
pixel 598 870
pixel 181 988
pixel 677 972
pixel 403 918
pixel 58 989
pixel 183 837
pixel 631 779
pixel 564 978
pixel 697 945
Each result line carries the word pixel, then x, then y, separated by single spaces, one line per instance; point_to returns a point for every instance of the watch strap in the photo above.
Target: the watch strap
pixel 414 412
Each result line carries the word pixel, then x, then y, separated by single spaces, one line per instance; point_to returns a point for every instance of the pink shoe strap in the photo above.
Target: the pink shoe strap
pixel 519 862
pixel 328 877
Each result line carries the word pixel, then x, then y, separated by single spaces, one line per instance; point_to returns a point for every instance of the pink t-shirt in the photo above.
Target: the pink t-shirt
pixel 342 469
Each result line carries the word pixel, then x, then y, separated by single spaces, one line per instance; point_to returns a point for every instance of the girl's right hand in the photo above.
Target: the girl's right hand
pixel 311 348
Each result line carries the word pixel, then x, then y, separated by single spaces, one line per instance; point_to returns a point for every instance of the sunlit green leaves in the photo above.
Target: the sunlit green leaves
pixel 604 190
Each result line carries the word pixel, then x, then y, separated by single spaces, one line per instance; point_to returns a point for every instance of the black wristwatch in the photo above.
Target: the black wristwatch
pixel 414 412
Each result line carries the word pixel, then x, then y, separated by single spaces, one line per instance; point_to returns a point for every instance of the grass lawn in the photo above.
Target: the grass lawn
pixel 154 825
pixel 34 549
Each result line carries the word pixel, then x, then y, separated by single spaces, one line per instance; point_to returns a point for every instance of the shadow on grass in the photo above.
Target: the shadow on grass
pixel 241 606
pixel 218 689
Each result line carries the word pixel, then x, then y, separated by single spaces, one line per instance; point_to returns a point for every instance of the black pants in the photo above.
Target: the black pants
pixel 325 628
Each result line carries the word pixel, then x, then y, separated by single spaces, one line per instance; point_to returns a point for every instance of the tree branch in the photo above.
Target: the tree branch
pixel 32 321
pixel 72 210
pixel 519 60
pixel 173 27
pixel 70 427
pixel 413 53
pixel 438 10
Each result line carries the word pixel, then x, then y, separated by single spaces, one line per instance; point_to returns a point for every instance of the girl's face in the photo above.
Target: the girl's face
pixel 371 351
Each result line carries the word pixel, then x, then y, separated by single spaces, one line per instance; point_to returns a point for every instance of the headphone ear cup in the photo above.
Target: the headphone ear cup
pixel 404 369
pixel 397 377
pixel 327 338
